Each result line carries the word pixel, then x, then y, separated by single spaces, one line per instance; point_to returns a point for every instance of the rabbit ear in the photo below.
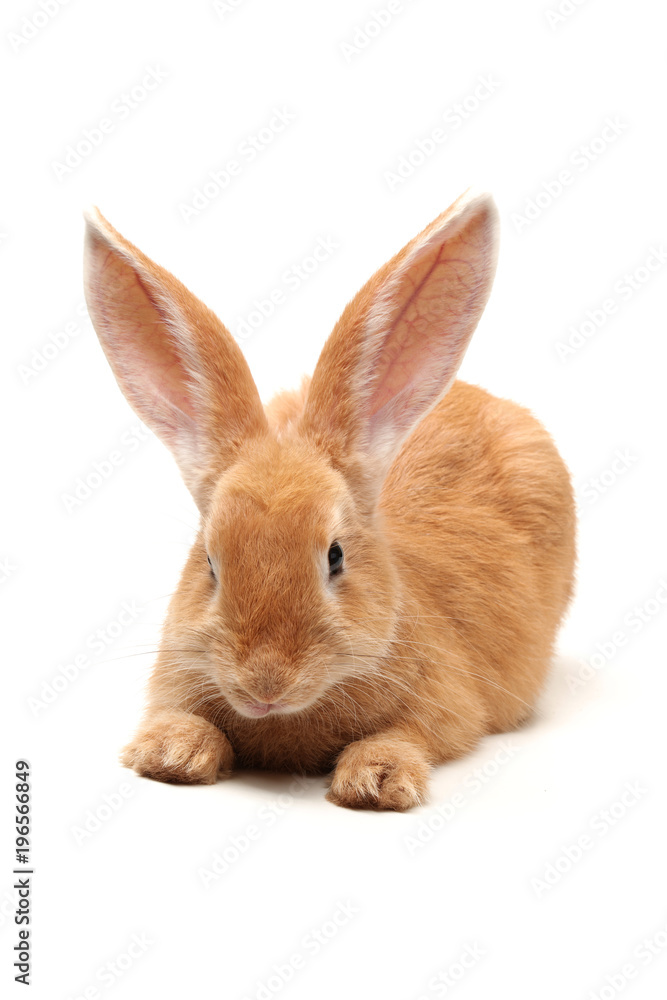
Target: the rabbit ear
pixel 178 366
pixel 399 343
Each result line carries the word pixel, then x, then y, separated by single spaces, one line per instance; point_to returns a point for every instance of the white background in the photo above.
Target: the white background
pixel 481 881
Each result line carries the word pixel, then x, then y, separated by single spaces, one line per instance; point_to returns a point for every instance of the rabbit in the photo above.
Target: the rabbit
pixel 384 556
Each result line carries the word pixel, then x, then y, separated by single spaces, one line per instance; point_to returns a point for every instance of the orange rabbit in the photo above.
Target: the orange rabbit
pixel 384 556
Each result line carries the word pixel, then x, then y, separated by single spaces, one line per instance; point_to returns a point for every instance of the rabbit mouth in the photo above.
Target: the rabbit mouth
pixel 252 707
pixel 258 709
pixel 260 698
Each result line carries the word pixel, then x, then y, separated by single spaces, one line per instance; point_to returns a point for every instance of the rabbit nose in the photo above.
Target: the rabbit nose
pixel 263 695
pixel 263 689
pixel 265 675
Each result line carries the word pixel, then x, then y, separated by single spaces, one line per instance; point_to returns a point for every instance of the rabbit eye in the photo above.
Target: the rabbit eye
pixel 211 567
pixel 335 559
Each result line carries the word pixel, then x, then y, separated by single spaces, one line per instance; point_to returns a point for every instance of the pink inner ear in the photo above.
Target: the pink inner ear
pixel 427 335
pixel 138 335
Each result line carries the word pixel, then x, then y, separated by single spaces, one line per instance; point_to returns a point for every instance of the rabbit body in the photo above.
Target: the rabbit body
pixel 477 516
pixel 453 515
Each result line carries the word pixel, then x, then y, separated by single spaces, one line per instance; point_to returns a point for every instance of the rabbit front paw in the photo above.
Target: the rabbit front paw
pixel 379 773
pixel 179 747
